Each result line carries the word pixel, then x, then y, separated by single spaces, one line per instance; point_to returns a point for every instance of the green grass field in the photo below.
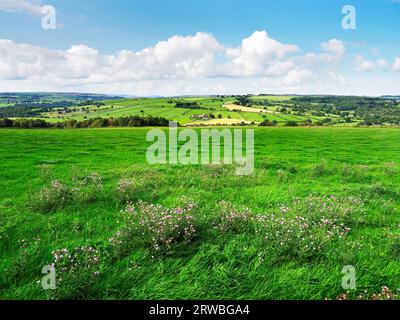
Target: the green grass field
pixel 333 193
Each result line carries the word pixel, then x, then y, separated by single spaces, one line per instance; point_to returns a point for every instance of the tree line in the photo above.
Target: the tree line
pixel 132 121
pixel 32 109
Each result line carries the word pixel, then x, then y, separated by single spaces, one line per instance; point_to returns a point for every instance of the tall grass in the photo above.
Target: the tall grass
pixel 244 237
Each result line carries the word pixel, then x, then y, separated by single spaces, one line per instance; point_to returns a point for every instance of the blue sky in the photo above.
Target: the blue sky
pixel 133 25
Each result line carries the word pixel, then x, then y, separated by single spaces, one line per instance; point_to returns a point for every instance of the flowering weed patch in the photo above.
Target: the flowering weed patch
pixel 139 185
pixel 233 219
pixel 76 271
pixel 307 228
pixel 88 188
pixel 58 194
pixel 319 169
pixel 156 227
pixel 55 196
pixel 385 294
pixel 126 190
pixel 25 262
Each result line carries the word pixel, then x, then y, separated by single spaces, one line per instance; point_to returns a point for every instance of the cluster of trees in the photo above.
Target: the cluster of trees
pixel 373 111
pixel 213 116
pixel 188 105
pixel 291 123
pixel 24 123
pixel 30 105
pixel 268 123
pixel 91 103
pixel 244 101
pixel 133 121
pixel 29 110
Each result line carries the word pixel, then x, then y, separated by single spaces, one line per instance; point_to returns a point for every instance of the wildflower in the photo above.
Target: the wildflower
pixel 159 227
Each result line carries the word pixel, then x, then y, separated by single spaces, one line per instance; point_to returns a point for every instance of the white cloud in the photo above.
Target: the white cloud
pixel 196 64
pixel 367 66
pixel 362 64
pixel 396 65
pixel 178 57
pixel 33 7
pixel 260 54
pixel 297 77
pixel 335 48
pixel 333 52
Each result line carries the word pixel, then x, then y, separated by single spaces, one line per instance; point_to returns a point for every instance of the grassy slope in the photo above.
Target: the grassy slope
pixel 214 266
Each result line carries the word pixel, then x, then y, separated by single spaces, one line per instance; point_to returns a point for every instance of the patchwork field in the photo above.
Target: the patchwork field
pixel 88 110
pixel 218 107
pixel 233 107
pixel 319 199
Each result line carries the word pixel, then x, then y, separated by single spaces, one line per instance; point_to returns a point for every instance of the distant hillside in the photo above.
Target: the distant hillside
pixel 207 110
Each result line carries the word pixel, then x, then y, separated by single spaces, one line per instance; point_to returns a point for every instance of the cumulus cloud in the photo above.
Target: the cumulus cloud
pixel 297 76
pixel 194 64
pixel 260 54
pixel 178 57
pixel 33 7
pixel 396 65
pixel 333 52
pixel 335 48
pixel 362 64
pixel 367 65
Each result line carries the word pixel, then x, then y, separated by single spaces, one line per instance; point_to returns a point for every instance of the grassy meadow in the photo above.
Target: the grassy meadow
pixel 319 199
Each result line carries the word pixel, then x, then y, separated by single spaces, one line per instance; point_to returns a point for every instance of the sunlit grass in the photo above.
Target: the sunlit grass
pixel 291 163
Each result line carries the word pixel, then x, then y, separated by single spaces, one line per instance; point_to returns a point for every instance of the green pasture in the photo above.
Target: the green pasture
pixel 292 165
